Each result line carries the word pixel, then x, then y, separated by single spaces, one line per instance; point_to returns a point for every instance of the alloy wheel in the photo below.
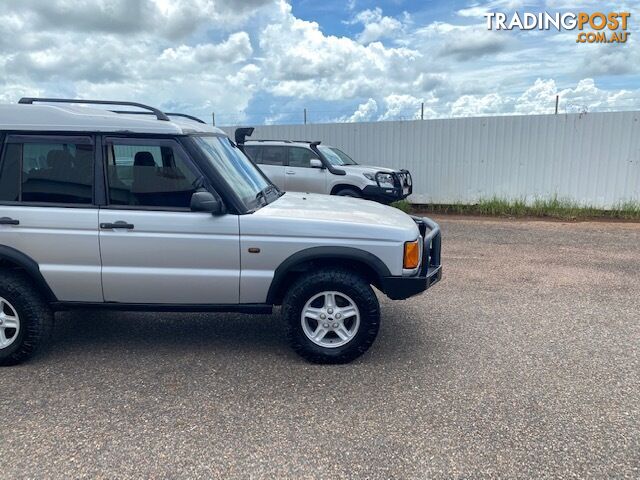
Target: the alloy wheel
pixel 330 319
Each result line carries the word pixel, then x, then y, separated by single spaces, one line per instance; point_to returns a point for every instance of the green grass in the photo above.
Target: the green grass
pixel 549 208
pixel 403 205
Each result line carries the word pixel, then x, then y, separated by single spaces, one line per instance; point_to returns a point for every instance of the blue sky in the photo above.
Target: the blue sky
pixel 334 16
pixel 264 61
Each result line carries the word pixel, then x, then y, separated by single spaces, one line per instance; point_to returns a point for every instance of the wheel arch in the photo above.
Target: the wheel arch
pixel 16 260
pixel 366 263
pixel 342 186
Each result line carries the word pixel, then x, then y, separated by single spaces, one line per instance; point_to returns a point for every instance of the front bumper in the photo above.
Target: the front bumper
pixel 399 288
pixel 403 187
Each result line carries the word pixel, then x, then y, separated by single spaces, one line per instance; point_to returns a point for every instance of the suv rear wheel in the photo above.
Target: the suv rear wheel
pixel 25 318
pixel 332 316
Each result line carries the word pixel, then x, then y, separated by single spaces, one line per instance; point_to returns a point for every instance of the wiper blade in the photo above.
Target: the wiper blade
pixel 266 191
pixel 261 195
pixel 270 188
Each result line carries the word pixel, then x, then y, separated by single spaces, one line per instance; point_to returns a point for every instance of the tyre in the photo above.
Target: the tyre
pixel 332 316
pixel 25 318
pixel 349 192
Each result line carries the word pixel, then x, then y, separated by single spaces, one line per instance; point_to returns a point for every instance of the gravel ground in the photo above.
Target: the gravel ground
pixel 522 363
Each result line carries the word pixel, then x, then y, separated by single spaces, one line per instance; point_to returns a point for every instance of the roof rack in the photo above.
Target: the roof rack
pixel 136 112
pixel 159 115
pixel 287 141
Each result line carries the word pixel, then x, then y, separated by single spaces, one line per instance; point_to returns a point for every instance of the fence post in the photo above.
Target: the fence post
pixel 213 118
pixel 557 100
pixel 305 116
pixel 422 111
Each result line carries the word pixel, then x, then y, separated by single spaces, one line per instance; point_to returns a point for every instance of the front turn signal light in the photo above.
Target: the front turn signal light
pixel 411 255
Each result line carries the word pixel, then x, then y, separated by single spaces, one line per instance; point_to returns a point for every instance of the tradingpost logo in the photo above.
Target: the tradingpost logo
pixel 597 27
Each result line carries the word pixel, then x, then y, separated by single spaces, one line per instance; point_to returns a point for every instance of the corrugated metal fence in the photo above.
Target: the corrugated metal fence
pixel 592 159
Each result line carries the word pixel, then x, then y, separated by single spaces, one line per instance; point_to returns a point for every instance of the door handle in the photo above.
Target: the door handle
pixel 290 172
pixel 9 221
pixel 119 224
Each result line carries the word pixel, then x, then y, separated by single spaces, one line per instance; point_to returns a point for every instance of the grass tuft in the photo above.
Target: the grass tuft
pixel 551 208
pixel 403 205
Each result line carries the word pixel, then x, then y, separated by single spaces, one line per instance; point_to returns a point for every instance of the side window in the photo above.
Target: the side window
pixel 38 172
pixel 124 157
pixel 273 155
pixel 300 157
pixel 253 152
pixel 149 175
pixel 10 173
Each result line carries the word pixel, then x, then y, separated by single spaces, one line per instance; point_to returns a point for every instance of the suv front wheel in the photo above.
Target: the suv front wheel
pixel 25 318
pixel 332 316
pixel 349 192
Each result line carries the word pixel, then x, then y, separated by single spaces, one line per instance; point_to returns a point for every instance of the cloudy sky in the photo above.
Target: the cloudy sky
pixel 264 61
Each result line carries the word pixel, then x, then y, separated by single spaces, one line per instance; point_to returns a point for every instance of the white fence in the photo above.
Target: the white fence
pixel 592 159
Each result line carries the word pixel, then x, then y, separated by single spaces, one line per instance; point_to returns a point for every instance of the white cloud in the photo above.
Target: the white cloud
pixel 224 55
pixel 396 107
pixel 404 107
pixel 611 61
pixel 164 18
pixel 478 105
pixel 237 48
pixel 588 97
pixel 540 98
pixel 572 4
pixel 365 112
pixel 463 42
pixel 303 62
pixel 378 26
pixel 88 49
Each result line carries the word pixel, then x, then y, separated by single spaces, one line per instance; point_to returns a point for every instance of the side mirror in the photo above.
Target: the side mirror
pixel 316 163
pixel 204 201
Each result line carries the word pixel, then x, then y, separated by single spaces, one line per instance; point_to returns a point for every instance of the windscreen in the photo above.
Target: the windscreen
pixel 336 156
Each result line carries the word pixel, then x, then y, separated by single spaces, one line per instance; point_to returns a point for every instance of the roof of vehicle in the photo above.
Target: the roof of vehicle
pixel 74 118
pixel 289 143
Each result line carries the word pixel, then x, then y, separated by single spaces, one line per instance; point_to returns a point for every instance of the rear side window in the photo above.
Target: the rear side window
pixel 300 157
pixel 55 171
pixel 149 174
pixel 273 155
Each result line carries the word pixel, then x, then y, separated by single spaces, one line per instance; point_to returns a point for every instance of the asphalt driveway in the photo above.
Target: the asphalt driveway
pixel 522 363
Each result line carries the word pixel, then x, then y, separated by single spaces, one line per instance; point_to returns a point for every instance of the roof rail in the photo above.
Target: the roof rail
pixel 310 142
pixel 136 112
pixel 159 115
pixel 190 117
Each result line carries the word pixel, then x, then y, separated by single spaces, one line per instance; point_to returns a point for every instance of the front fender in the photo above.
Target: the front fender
pixel 324 253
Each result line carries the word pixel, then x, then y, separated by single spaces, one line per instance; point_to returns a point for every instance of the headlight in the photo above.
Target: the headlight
pixel 385 180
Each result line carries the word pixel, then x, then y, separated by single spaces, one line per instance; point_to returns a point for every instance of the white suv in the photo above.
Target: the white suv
pixel 117 210
pixel 301 166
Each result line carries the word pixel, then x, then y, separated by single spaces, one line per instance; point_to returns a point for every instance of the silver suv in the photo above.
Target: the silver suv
pixel 145 210
pixel 301 166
